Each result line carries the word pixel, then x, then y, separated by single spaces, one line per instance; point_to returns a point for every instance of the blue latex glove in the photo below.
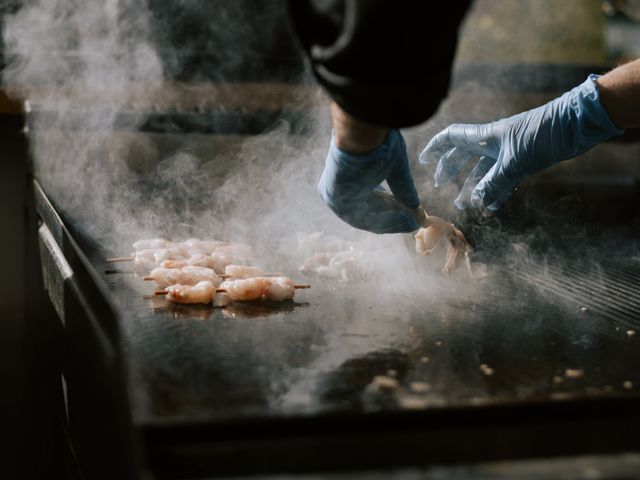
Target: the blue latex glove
pixel 350 187
pixel 510 149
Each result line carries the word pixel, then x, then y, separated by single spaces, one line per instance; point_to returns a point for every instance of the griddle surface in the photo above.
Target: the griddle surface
pixel 505 339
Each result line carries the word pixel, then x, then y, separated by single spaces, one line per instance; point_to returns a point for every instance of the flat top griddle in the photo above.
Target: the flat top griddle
pixel 539 358
pixel 543 331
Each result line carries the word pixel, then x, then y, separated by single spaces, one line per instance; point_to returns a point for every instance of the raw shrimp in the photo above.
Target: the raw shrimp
pixel 202 253
pixel 143 263
pixel 341 265
pixel 269 288
pixel 198 260
pixel 223 260
pixel 188 275
pixel 437 230
pixel 218 262
pixel 243 271
pixel 201 292
pixel 315 262
pixel 152 257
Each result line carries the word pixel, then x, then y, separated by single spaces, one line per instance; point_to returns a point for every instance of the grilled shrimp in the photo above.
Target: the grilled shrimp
pixel 243 271
pixel 188 275
pixel 201 292
pixel 269 288
pixel 437 230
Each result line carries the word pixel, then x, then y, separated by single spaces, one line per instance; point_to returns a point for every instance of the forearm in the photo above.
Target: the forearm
pixel 620 94
pixel 357 137
pixel 354 135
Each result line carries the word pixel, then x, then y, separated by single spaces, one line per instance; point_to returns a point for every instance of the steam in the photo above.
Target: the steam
pixel 75 63
pixel 93 73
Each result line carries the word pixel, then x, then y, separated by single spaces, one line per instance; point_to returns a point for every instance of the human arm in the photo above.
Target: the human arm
pixel 364 53
pixel 361 157
pixel 510 149
pixel 620 94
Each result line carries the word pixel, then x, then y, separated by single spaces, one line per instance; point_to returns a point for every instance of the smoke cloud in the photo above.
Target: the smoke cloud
pixel 97 74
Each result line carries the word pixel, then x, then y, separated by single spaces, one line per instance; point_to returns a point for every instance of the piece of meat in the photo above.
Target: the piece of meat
pixel 243 271
pixel 436 231
pixel 153 257
pixel 197 260
pixel 315 261
pixel 217 261
pixel 343 265
pixel 259 288
pixel 201 292
pixel 189 275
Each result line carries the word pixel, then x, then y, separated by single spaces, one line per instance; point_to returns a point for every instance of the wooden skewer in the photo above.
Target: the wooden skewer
pixel 119 259
pixel 224 290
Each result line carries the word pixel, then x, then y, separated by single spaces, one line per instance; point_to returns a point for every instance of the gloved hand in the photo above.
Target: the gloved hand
pixel 350 186
pixel 510 149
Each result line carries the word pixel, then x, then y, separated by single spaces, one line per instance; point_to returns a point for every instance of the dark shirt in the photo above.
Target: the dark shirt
pixel 385 62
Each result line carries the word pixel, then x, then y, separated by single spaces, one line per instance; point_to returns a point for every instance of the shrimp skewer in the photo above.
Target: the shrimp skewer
pixel 340 265
pixel 244 271
pixel 201 292
pixel 188 275
pixel 259 288
pixel 218 262
pixel 177 257
pixel 153 243
pixel 206 253
pixel 151 258
pixel 195 246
